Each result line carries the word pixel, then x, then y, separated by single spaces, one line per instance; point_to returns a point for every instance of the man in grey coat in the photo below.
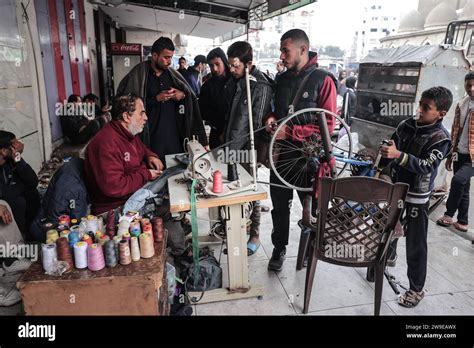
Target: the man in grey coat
pixel 240 56
pixel 172 107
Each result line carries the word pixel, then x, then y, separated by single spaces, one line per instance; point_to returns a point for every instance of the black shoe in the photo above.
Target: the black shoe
pixel 276 262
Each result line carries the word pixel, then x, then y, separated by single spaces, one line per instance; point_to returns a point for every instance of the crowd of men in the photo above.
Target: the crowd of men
pixel 157 108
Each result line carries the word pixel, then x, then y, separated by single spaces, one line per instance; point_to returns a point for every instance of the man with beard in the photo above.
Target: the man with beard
pixel 171 106
pixel 117 163
pixel 237 121
pixel 212 101
pixel 317 90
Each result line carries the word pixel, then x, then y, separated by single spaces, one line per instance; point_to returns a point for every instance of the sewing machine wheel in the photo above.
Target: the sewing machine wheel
pixel 296 148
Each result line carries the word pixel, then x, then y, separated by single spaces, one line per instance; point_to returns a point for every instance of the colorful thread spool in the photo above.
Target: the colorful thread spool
pixel 92 223
pixel 135 229
pixel 217 186
pixel 64 252
pixel 124 253
pixel 86 238
pixel 147 227
pixel 65 220
pixel 103 240
pixel 126 236
pixel 74 222
pixel 80 255
pixel 65 233
pixel 157 226
pixel 111 259
pixel 95 258
pixel 123 227
pixel 98 235
pixel 232 174
pixel 73 238
pixel 61 228
pixel 100 222
pixel 52 235
pixel 49 257
pixel 135 249
pixel 147 249
pixel 144 221
pixel 117 240
pixel 110 226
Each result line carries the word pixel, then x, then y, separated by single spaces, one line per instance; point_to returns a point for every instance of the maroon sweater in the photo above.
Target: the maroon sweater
pixel 115 167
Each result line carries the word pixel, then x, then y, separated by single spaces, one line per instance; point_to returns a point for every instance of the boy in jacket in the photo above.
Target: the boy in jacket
pixel 417 148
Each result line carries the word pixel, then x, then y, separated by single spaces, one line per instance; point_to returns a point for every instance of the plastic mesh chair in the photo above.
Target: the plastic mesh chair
pixel 353 226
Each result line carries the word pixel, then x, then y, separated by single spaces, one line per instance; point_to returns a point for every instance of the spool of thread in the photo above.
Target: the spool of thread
pixel 144 221
pixel 65 220
pixel 117 240
pixel 61 228
pixel 147 227
pixel 95 258
pixel 49 257
pixel 147 249
pixel 126 237
pixel 123 227
pixel 111 259
pixel 64 252
pixel 110 227
pixel 103 240
pixel 74 228
pixel 100 222
pixel 92 223
pixel 83 226
pixel 217 186
pixel 86 238
pixel 51 241
pixel 98 235
pixel 73 238
pixel 80 255
pixel 232 174
pixel 65 233
pixel 52 235
pixel 157 226
pixel 124 253
pixel 74 222
pixel 135 249
pixel 135 228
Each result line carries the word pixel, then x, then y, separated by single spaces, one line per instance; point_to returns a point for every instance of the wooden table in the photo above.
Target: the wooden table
pixel 136 289
pixel 235 226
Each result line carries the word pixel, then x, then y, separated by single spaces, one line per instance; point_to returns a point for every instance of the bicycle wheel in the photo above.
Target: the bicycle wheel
pixel 299 144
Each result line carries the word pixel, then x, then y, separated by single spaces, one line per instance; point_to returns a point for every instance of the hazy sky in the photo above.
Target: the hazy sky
pixel 335 21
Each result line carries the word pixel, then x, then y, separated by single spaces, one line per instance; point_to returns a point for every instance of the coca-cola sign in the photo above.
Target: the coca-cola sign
pixel 126 48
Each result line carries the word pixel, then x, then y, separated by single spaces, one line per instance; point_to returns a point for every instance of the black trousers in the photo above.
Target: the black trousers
pixel 281 200
pixel 458 199
pixel 416 244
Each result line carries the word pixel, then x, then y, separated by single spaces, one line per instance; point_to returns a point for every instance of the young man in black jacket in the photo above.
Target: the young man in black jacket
pixel 18 181
pixel 417 149
pixel 212 101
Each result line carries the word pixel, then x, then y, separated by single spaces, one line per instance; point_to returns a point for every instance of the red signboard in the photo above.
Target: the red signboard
pixel 126 48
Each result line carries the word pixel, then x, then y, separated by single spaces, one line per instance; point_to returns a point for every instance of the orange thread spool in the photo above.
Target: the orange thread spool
pixel 217 186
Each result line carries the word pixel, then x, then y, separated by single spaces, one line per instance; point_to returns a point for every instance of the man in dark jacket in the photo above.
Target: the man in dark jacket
pixel 212 102
pixel 171 105
pixel 117 162
pixel 193 74
pixel 18 181
pixel 317 91
pixel 237 121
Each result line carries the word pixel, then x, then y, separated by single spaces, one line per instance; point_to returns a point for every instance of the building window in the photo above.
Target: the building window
pixel 373 30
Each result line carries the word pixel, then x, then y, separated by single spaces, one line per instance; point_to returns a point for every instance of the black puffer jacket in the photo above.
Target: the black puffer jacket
pixel 66 194
pixel 237 120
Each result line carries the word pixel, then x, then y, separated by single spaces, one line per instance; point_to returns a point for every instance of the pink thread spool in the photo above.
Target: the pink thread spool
pixel 217 186
pixel 95 257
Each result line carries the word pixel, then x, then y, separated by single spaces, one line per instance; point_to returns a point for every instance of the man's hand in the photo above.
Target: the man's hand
pixel 176 94
pixel 269 124
pixel 390 151
pixel 164 96
pixel 5 215
pixel 17 148
pixel 154 174
pixel 449 163
pixel 155 163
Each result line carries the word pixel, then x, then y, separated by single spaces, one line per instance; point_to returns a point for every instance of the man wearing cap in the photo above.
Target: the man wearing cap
pixel 171 105
pixel 193 74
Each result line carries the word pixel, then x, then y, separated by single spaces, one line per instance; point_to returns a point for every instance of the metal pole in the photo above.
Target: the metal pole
pixel 252 137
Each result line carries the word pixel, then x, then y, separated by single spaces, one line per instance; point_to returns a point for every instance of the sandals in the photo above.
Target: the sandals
pixel 460 227
pixel 410 299
pixel 445 221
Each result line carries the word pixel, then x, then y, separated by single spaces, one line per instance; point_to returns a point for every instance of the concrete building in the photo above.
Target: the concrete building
pixel 427 25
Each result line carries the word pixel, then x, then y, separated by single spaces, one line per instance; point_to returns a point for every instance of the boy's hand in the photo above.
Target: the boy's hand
pixel 390 151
